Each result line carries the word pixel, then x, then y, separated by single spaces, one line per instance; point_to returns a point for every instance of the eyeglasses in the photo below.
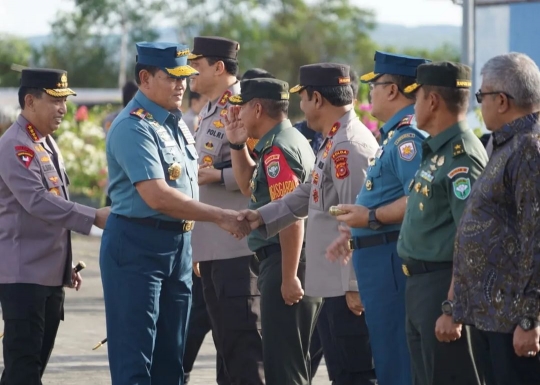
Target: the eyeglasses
pixel 480 95
pixel 372 85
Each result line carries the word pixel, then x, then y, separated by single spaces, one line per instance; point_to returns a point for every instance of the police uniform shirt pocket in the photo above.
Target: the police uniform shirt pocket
pixel 212 146
pixel 53 183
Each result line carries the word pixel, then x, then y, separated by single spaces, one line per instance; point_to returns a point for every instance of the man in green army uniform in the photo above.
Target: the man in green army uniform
pixel 284 160
pixel 452 159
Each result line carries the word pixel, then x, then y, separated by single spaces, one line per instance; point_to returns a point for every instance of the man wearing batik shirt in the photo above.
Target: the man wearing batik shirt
pixel 497 248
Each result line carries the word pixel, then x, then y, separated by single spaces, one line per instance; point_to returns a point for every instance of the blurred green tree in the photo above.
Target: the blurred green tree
pixel 13 50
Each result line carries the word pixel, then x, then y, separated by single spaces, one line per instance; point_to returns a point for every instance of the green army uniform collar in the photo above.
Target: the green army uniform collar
pixel 435 143
pixel 268 138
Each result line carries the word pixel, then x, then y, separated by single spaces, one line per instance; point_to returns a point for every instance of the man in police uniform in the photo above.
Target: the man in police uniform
pixel 376 217
pixel 284 160
pixel 326 99
pixel 228 268
pixel 146 247
pixel 452 159
pixel 35 227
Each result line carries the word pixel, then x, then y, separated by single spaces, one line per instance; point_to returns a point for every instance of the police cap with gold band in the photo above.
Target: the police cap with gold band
pixel 52 81
pixel 323 75
pixel 214 46
pixel 442 74
pixel 171 58
pixel 392 64
pixel 261 88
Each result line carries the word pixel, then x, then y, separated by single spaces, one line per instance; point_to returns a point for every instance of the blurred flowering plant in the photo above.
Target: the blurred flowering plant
pixel 82 142
pixel 363 110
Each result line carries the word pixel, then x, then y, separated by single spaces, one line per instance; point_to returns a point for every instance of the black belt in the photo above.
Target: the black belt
pixel 182 227
pixel 373 240
pixel 418 267
pixel 266 251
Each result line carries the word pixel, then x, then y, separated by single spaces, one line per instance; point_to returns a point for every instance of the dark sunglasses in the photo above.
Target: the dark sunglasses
pixel 480 95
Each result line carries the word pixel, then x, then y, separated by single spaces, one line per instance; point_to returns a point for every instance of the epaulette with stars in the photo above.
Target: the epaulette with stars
pixel 458 148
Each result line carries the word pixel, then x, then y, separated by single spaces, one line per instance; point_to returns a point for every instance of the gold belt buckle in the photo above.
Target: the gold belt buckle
pixel 188 226
pixel 350 244
pixel 405 270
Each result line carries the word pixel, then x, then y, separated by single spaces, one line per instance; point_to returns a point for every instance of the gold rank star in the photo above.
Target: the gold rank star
pixel 434 159
pixel 385 141
pixel 432 167
pixel 390 134
pixel 421 206
pixel 425 190
pixel 417 187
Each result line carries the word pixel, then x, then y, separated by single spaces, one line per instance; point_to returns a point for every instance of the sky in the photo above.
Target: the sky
pixel 33 17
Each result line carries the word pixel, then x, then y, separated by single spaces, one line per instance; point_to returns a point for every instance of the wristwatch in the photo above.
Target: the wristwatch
pixel 373 223
pixel 528 323
pixel 447 307
pixel 237 147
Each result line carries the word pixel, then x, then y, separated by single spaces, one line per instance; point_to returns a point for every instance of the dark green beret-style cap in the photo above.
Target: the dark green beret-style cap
pixel 261 88
pixel 442 74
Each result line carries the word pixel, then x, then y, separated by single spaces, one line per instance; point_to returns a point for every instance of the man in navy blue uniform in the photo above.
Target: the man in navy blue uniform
pixel 145 256
pixel 375 219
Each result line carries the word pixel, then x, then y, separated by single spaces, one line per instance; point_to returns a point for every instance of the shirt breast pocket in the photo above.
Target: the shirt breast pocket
pixel 174 165
pixel 212 146
pixel 53 183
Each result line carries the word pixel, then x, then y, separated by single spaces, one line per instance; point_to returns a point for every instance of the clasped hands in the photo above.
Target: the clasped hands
pixel 240 223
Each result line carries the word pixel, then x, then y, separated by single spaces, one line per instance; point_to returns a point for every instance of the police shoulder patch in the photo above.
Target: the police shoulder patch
pixel 25 155
pixel 340 158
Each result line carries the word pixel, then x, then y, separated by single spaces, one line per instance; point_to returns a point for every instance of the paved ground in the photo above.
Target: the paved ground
pixel 73 360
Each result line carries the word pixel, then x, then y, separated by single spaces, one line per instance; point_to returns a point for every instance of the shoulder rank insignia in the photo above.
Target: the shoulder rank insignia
pixel 406 121
pixel 32 132
pixel 334 129
pixel 458 148
pixel 139 112
pixel 224 98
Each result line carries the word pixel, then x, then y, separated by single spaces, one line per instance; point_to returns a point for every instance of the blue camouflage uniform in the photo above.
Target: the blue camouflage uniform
pixel 378 268
pixel 145 255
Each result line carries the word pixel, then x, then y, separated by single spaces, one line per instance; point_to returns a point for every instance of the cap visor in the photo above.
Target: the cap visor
pixel 193 56
pixel 369 77
pixel 60 92
pixel 413 87
pixel 296 89
pixel 181 72
pixel 236 100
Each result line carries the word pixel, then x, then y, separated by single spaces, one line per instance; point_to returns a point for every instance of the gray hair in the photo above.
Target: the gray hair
pixel 515 74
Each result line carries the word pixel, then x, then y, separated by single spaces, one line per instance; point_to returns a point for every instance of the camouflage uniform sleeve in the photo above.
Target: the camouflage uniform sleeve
pixel 21 173
pixel 348 185
pixel 406 157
